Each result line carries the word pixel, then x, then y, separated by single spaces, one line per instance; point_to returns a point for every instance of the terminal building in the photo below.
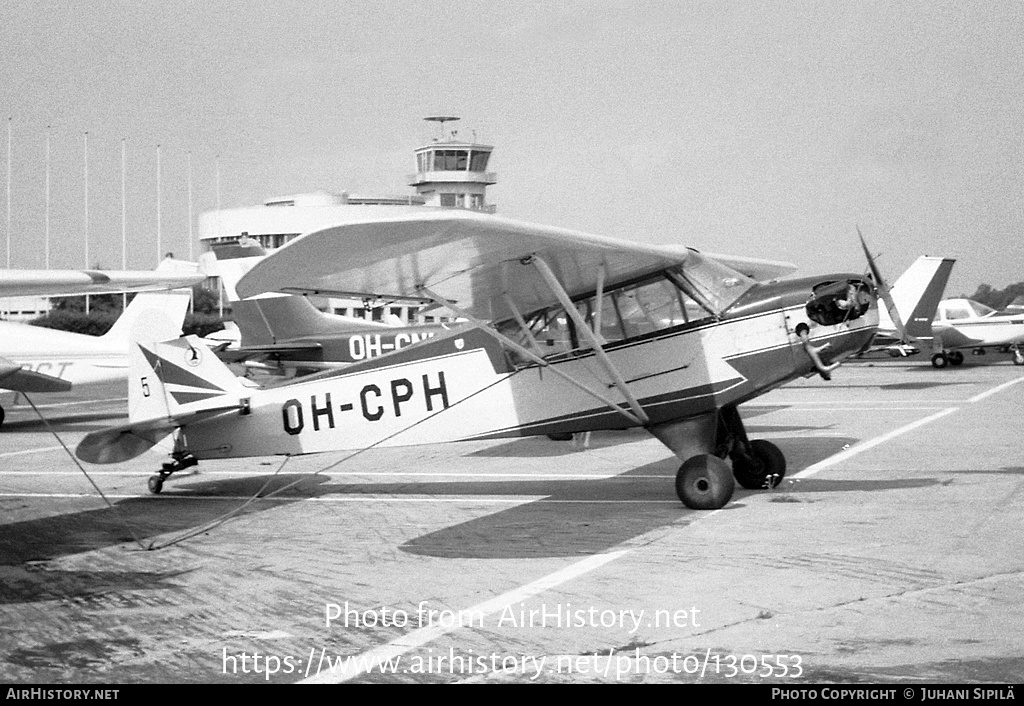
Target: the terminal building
pixel 450 173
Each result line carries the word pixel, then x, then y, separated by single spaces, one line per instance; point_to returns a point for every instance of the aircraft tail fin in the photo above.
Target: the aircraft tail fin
pixel 170 385
pixel 181 376
pixel 918 291
pixel 153 316
pixel 272 318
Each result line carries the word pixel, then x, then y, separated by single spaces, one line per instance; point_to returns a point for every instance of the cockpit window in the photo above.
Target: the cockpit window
pixel 714 285
pixel 836 302
pixel 658 302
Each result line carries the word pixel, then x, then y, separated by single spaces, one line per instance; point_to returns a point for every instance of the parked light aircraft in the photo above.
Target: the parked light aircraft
pixel 285 333
pixel 916 296
pixel 36 359
pixel 964 324
pixel 573 332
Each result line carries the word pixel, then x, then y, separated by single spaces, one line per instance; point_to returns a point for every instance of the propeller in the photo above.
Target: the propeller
pixel 884 294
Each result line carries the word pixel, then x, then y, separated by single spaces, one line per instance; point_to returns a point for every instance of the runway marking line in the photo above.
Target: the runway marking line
pixel 367 661
pixel 854 450
pixel 34 451
pixel 361 498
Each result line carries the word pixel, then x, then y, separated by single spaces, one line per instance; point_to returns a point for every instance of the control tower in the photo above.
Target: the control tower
pixel 452 173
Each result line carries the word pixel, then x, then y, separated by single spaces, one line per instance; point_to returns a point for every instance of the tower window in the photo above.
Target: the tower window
pixel 479 161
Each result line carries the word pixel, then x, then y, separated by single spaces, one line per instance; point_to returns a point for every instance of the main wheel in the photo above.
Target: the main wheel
pixel 1018 356
pixel 704 482
pixel 763 468
pixel 939 360
pixel 955 358
pixel 156 484
pixel 2 415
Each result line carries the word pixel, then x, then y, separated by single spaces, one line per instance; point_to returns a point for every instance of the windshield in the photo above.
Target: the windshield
pixel 711 283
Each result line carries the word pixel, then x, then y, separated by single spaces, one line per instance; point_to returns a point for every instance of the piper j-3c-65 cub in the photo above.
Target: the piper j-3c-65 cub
pixel 573 332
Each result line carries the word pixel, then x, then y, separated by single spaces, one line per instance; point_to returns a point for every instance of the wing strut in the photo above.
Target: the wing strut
pixel 527 353
pixel 585 332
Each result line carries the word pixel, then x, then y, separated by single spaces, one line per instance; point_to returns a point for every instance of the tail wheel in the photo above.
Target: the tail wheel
pixel 762 467
pixel 1018 356
pixel 955 358
pixel 939 360
pixel 705 482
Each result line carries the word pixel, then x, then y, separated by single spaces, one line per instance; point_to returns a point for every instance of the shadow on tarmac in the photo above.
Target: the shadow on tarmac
pixel 571 517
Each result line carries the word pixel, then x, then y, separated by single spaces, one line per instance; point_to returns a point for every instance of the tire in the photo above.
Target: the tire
pixel 939 360
pixel 764 468
pixel 1018 356
pixel 956 358
pixel 2 415
pixel 156 484
pixel 705 483
pixel 565 436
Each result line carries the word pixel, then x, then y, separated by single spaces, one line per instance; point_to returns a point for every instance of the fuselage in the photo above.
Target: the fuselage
pixel 463 385
pixel 76 358
pixel 966 323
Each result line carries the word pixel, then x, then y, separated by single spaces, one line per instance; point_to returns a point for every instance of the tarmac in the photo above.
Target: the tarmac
pixel 891 552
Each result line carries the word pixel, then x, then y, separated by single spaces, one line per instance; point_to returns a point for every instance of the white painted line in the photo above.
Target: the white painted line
pixel 349 475
pixel 886 408
pixel 854 450
pixel 352 667
pixel 815 405
pixel 361 498
pixel 34 451
pixel 994 390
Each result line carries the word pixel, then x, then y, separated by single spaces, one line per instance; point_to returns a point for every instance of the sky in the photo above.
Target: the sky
pixel 767 130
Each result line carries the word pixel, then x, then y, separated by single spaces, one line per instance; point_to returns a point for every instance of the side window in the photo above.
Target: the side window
pixel 649 307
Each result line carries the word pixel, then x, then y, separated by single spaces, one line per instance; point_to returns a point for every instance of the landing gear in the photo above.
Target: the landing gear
pixel 955 358
pixel 2 415
pixel 704 482
pixel 939 360
pixel 181 461
pixel 1018 356
pixel 762 466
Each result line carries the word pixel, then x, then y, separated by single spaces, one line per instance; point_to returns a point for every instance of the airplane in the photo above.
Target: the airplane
pixel 964 324
pixel 571 332
pixel 283 333
pixel 36 359
pixel 915 294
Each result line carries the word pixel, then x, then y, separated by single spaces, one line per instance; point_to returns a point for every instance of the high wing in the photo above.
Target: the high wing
pixel 474 260
pixel 18 283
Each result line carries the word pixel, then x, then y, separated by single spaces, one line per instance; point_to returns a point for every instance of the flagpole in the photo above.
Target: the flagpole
pixel 192 299
pixel 159 252
pixel 46 249
pixel 85 141
pixel 9 128
pixel 124 216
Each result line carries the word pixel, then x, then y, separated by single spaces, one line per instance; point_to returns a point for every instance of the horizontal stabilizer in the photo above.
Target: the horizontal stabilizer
pixel 14 377
pixel 126 441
